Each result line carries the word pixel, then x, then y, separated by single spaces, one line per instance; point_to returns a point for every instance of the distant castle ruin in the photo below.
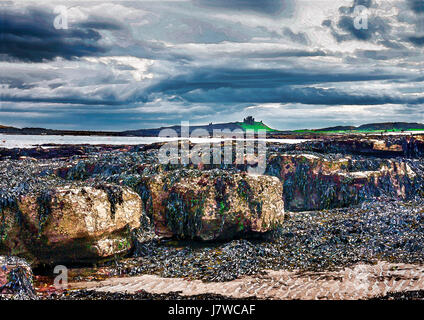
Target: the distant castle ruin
pixel 249 120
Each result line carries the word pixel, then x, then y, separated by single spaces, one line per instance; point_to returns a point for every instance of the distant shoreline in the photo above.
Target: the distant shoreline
pixel 373 128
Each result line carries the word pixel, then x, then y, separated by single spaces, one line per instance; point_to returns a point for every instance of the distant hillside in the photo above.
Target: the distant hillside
pixel 371 127
pixel 248 124
pixel 391 126
pixel 253 125
pixel 43 131
pixel 256 126
pixel 338 128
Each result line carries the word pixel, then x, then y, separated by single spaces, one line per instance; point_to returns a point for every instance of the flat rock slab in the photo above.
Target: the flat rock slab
pixel 357 282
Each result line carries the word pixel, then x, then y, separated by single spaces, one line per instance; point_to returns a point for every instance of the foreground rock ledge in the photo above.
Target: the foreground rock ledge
pixel 85 224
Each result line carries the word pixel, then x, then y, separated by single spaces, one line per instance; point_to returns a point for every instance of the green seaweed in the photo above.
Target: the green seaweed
pixel 183 216
pixel 245 192
pixel 44 200
pixel 114 195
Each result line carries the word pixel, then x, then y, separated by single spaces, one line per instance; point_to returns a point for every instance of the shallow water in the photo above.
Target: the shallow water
pixel 29 141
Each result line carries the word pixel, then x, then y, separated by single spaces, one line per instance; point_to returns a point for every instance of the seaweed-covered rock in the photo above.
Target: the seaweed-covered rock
pixel 72 224
pixel 214 204
pixel 16 278
pixel 379 146
pixel 313 182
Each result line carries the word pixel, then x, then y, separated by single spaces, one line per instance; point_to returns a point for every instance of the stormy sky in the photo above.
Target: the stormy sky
pixel 119 65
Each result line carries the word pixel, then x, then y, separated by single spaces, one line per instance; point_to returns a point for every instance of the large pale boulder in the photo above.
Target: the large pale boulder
pixel 72 224
pixel 215 204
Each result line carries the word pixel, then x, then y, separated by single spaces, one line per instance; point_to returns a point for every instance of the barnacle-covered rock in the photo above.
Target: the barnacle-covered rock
pixel 313 182
pixel 72 224
pixel 214 204
pixel 16 279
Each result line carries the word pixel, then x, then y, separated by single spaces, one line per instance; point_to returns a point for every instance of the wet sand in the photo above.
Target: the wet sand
pixel 360 281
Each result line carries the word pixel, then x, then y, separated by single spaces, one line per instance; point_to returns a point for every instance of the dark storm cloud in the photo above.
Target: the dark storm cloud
pixel 268 7
pixel 16 83
pixel 203 60
pixel 416 5
pixel 290 94
pixel 98 24
pixel 206 78
pixel 365 3
pixel 380 30
pixel 382 54
pixel 285 54
pixel 271 86
pixel 376 27
pixel 209 85
pixel 418 41
pixel 63 100
pixel 296 37
pixel 32 37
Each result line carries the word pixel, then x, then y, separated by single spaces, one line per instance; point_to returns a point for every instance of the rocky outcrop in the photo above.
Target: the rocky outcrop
pixel 210 205
pixel 79 218
pixel 71 224
pixel 312 182
pixel 53 151
pixel 15 278
pixel 383 146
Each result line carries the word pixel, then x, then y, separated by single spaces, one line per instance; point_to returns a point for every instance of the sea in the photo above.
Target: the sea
pixel 30 141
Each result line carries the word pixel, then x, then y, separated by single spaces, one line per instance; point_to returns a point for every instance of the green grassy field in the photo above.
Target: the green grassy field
pixel 256 127
pixel 353 131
